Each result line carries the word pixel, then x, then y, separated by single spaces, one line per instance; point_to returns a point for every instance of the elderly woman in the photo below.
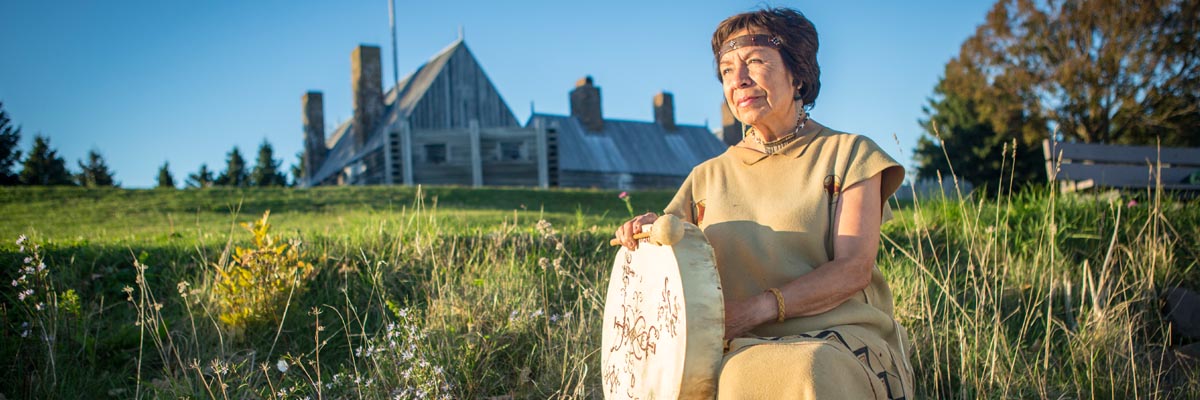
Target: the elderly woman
pixel 793 213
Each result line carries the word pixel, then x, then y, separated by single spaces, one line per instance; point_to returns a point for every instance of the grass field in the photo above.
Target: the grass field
pixel 381 292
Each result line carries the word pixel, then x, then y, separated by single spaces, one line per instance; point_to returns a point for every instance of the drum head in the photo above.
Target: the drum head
pixel 663 321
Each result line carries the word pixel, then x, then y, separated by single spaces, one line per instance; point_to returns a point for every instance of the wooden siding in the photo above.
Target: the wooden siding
pixel 456 169
pixel 460 92
pixel 1084 165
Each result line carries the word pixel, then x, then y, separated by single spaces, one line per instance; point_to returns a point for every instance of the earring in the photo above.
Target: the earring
pixel 797 96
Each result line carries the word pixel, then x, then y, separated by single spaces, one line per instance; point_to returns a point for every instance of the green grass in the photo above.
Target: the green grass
pixel 460 293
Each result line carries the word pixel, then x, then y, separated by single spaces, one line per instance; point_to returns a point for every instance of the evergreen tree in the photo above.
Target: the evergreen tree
pixel 960 139
pixel 44 166
pixel 298 169
pixel 266 168
pixel 201 179
pixel 95 173
pixel 10 138
pixel 165 180
pixel 235 170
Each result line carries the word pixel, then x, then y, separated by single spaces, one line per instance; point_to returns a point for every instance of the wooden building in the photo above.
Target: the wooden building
pixel 443 124
pixel 446 124
pixel 621 154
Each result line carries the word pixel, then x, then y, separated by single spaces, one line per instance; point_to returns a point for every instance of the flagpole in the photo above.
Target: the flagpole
pixel 395 58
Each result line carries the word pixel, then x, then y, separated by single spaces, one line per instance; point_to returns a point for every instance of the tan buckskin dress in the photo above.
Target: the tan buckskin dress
pixel 769 220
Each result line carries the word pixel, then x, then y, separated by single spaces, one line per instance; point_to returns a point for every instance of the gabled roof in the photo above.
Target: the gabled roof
pixel 633 147
pixel 409 91
pixel 412 88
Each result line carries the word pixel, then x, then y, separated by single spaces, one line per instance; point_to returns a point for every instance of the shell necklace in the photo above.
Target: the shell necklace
pixel 774 145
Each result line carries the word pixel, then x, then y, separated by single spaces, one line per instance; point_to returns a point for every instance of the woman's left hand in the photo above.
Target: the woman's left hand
pixel 743 315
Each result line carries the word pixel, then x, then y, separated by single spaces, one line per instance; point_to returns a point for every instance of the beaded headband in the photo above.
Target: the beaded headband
pixel 749 41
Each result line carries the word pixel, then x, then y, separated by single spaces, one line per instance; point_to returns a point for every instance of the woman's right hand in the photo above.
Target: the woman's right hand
pixel 626 231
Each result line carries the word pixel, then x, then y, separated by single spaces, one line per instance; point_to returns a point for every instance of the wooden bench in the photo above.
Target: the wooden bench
pixel 1079 166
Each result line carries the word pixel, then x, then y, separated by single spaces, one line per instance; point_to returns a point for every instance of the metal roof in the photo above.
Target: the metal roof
pixel 633 147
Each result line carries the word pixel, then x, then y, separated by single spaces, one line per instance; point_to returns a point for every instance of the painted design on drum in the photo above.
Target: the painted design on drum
pixel 668 309
pixel 637 338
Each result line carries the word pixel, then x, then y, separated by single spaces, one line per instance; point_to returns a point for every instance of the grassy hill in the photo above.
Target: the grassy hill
pixel 464 293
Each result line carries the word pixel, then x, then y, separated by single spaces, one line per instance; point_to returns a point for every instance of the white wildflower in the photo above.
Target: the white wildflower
pixel 282 365
pixel 21 240
pixel 545 228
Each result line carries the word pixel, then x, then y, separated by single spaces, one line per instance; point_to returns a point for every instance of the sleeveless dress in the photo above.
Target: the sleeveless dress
pixel 769 219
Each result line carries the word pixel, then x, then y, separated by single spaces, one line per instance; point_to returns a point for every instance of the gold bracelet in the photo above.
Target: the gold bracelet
pixel 779 301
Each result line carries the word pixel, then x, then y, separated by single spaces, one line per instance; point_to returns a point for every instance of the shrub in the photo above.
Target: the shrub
pixel 259 280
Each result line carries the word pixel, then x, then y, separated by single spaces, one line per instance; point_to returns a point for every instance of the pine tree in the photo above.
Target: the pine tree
pixel 165 180
pixel 266 168
pixel 10 137
pixel 298 168
pixel 95 173
pixel 44 166
pixel 235 170
pixel 201 179
pixel 960 137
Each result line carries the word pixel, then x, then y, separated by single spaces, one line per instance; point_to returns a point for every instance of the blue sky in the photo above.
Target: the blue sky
pixel 145 82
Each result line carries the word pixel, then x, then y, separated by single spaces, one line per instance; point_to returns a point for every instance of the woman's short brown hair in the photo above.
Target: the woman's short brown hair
pixel 798 45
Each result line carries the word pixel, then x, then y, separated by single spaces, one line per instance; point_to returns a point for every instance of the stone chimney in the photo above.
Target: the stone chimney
pixel 664 110
pixel 585 105
pixel 731 128
pixel 314 132
pixel 366 81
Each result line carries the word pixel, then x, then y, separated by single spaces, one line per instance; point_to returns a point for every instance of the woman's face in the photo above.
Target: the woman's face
pixel 757 86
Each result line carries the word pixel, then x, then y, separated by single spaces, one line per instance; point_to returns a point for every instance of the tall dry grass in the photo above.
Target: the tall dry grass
pixel 1024 295
pixel 1035 294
